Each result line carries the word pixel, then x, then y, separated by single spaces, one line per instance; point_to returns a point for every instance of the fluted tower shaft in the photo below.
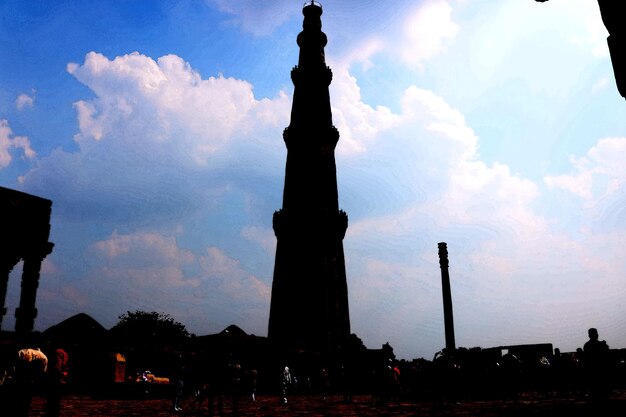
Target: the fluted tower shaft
pixel 309 307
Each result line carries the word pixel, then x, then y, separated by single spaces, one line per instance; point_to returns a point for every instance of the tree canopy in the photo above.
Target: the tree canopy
pixel 149 327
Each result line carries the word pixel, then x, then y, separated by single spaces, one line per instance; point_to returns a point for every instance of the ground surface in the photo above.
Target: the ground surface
pixel 527 405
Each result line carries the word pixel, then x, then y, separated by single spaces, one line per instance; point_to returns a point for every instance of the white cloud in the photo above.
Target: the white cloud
pixel 171 101
pixel 24 101
pixel 425 108
pixel 232 279
pixel 258 17
pixel 362 54
pixel 593 33
pixel 426 31
pixel 552 54
pixel 421 33
pixel 434 187
pixel 263 237
pixel 154 128
pixel 145 258
pixel 8 141
pixel 357 122
pixel 598 175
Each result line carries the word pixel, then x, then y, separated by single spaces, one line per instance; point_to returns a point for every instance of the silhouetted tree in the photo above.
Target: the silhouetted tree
pixel 149 327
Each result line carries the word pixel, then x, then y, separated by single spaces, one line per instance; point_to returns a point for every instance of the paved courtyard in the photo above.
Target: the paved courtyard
pixel 75 405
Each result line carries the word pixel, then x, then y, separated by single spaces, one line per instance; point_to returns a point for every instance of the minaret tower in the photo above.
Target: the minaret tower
pixel 309 307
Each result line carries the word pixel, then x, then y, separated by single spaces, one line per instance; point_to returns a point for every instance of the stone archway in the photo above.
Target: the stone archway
pixel 25 229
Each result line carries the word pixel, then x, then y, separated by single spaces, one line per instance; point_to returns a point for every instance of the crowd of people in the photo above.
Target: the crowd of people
pixel 35 370
pixel 589 374
pixel 451 376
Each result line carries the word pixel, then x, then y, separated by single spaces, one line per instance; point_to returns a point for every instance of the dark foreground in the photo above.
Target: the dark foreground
pixel 527 405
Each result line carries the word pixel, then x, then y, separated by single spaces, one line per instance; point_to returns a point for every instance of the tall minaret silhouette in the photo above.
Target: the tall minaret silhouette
pixel 309 307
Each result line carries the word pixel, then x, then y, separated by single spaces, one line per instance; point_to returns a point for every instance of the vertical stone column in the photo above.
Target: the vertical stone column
pixel 447 297
pixel 7 261
pixel 5 270
pixel 26 313
pixel 24 234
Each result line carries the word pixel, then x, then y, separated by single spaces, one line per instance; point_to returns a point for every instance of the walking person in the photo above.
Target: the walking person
pixel 57 379
pixel 30 369
pixel 285 384
pixel 253 376
pixel 235 386
pixel 178 379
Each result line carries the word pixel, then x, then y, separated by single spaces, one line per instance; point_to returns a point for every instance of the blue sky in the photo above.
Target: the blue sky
pixel 155 129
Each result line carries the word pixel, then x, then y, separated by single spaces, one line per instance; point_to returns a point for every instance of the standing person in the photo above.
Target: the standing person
pixel 325 383
pixel 596 358
pixel 30 368
pixel 286 383
pixel 57 378
pixel 235 386
pixel 253 382
pixel 177 378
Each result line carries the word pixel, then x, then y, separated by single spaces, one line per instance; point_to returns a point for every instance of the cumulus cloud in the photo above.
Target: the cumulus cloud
pixel 233 280
pixel 598 175
pixel 133 87
pixel 357 122
pixel 427 31
pixel 147 259
pixel 566 40
pixel 265 238
pixel 511 252
pixel 231 286
pixel 151 270
pixel 510 256
pixel 24 101
pixel 424 31
pixel 9 141
pixel 156 127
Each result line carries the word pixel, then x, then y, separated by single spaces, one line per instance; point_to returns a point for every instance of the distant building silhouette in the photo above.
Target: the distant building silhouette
pixel 309 307
pixel 25 225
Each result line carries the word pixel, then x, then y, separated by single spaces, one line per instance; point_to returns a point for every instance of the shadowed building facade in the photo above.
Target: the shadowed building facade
pixel 25 231
pixel 309 307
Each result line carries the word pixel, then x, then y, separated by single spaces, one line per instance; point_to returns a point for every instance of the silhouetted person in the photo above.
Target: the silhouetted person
pixel 178 380
pixel 596 357
pixel 563 372
pixel 511 369
pixel 285 384
pixel 325 383
pixel 235 386
pixel 218 376
pixel 443 367
pixel 253 377
pixel 198 381
pixel 30 369
pixel 56 381
pixel 346 383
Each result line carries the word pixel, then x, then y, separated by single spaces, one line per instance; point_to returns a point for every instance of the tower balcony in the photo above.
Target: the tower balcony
pixel 324 140
pixel 329 225
pixel 322 75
